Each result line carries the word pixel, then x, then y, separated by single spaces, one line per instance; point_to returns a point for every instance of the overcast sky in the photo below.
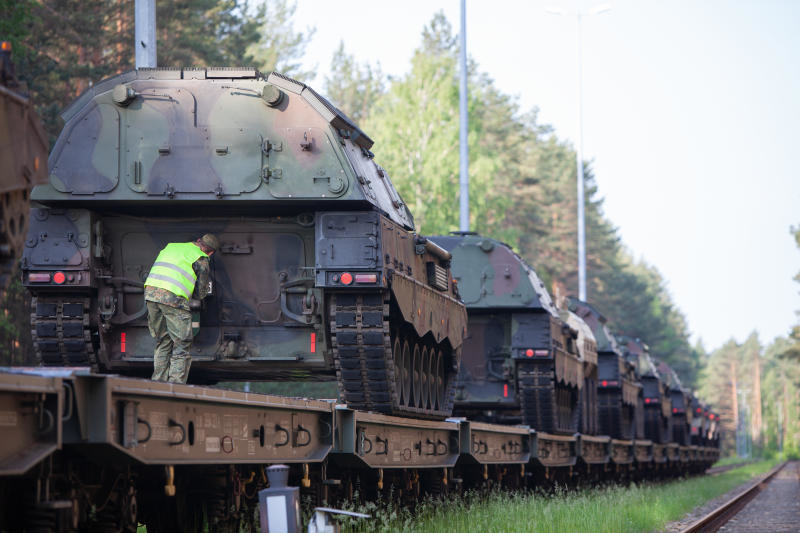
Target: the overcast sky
pixel 690 117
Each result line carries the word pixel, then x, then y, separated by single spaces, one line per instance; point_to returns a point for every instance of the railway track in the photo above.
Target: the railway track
pixel 715 519
pixel 725 468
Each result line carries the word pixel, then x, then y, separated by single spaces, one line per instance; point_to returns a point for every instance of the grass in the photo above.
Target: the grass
pixel 731 460
pixel 633 508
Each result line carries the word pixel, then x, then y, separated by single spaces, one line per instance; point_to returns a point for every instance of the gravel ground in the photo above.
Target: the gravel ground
pixel 776 509
pixel 783 497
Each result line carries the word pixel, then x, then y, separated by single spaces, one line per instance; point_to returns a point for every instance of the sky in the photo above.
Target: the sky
pixel 690 112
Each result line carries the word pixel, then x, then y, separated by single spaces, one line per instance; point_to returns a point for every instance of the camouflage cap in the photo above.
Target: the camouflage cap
pixel 210 240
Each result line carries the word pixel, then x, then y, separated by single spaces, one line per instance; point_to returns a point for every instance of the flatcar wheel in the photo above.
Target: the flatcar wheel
pixel 397 355
pixel 416 392
pixel 425 372
pixel 408 374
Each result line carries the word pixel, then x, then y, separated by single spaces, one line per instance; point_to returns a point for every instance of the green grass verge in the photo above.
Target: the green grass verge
pixel 732 460
pixel 637 507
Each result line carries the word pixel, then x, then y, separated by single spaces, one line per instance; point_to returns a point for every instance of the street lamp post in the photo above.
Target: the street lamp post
pixel 463 124
pixel 597 10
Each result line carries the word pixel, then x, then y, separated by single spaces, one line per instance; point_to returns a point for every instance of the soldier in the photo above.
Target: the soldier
pixel 180 271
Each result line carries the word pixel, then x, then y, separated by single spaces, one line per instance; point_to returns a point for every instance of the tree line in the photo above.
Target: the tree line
pixel 522 175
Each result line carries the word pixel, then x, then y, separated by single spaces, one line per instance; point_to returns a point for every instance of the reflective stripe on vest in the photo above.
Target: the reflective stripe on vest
pixel 173 270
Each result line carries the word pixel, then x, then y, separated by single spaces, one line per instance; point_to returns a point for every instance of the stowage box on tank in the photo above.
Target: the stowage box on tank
pixel 320 272
pixel 522 363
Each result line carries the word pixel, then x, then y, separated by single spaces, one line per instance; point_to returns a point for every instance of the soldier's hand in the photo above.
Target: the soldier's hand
pixel 195 305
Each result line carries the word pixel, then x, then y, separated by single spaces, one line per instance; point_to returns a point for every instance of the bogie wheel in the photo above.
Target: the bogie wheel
pixel 407 374
pixel 397 355
pixel 425 372
pixel 438 380
pixel 416 393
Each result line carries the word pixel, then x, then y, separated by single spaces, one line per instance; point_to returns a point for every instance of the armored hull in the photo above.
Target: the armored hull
pixel 655 390
pixel 522 362
pixel 320 274
pixel 23 160
pixel 619 392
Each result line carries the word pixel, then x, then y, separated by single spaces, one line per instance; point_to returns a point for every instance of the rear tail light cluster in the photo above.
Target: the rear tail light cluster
pixel 651 400
pixel 346 278
pixel 606 383
pixel 58 278
pixel 530 352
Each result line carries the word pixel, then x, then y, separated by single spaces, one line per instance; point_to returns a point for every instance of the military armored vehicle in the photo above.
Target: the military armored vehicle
pixel 704 429
pixel 657 401
pixel 521 362
pixel 619 393
pixel 680 403
pixel 23 163
pixel 587 348
pixel 319 274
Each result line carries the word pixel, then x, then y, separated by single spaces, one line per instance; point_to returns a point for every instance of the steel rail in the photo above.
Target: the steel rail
pixel 718 517
pixel 725 468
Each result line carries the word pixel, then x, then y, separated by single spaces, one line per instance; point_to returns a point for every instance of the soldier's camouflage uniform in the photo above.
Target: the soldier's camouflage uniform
pixel 170 321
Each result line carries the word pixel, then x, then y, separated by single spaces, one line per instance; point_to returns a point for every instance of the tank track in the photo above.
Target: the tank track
pixel 361 342
pixel 60 331
pixel 536 395
pixel 539 403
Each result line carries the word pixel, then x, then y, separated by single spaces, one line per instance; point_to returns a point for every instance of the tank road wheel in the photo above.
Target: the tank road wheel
pixel 426 377
pixel 407 374
pixel 397 354
pixel 383 365
pixel 416 392
pixel 438 380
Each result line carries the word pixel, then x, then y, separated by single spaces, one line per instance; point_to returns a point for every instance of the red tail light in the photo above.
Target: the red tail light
pixel 122 342
pixel 647 400
pixel 313 348
pixel 59 278
pixel 528 353
pixel 604 383
pixel 505 390
pixel 674 409
pixel 346 278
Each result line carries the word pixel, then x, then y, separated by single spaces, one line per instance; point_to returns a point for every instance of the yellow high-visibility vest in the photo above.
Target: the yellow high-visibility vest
pixel 173 268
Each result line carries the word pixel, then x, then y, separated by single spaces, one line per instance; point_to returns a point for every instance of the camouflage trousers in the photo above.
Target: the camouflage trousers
pixel 172 329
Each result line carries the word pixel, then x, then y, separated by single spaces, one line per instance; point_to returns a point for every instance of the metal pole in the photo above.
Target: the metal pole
pixel 464 148
pixel 579 164
pixel 145 33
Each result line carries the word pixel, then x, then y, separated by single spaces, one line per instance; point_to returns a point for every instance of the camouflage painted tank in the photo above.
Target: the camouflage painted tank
pixel 521 362
pixel 705 425
pixel 23 163
pixel 619 393
pixel 587 349
pixel 319 274
pixel 680 404
pixel 657 401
